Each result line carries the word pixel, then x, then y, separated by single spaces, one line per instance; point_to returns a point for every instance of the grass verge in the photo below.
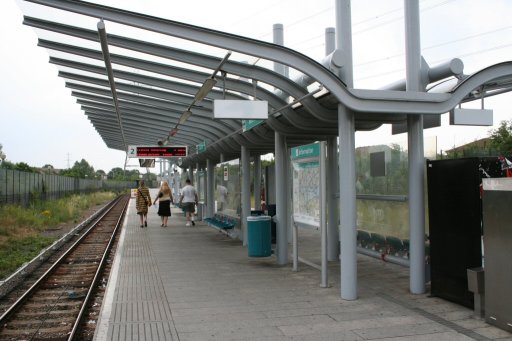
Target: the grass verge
pixel 21 228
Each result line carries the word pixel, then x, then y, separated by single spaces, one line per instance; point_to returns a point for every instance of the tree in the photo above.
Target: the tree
pixel 123 175
pixel 100 174
pixel 81 170
pixel 7 165
pixel 24 167
pixel 501 138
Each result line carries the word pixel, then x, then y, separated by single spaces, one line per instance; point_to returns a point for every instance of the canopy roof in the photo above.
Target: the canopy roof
pixel 135 90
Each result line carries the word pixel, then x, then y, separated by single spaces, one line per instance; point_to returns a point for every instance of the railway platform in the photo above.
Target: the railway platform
pixel 195 283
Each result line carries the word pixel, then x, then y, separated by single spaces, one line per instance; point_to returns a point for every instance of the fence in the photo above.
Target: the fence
pixel 18 187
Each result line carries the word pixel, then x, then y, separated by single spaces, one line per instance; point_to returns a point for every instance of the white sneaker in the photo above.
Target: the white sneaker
pixel 187 224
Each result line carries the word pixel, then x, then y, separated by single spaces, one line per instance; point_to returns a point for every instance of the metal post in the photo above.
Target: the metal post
pixel 278 38
pixel 281 205
pixel 295 248
pixel 281 179
pixel 221 161
pixel 333 235
pixel 323 218
pixel 246 192
pixel 199 189
pixel 257 182
pixel 289 193
pixel 210 199
pixel 197 175
pixel 160 167
pixel 346 128
pixel 415 150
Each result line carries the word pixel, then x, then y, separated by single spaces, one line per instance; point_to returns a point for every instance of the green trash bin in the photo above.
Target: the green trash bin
pixel 259 236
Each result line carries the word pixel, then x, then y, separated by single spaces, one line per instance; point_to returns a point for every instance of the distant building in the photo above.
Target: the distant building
pixel 477 148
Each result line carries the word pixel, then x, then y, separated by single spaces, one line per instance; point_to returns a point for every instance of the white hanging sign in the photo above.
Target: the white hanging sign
pixel 240 109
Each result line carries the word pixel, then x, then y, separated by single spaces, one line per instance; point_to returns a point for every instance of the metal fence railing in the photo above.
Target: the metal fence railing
pixel 17 187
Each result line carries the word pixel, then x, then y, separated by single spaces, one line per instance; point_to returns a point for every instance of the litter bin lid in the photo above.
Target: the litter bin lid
pixel 258 218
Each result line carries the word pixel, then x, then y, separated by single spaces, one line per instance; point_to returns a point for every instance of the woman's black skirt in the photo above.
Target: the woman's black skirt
pixel 164 208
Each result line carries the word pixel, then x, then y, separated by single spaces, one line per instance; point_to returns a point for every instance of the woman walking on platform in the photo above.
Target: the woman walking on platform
pixel 143 201
pixel 164 203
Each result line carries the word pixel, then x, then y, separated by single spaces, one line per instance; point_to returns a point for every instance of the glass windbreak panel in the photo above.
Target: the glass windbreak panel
pixel 201 185
pixel 381 169
pixel 388 218
pixel 382 189
pixel 228 188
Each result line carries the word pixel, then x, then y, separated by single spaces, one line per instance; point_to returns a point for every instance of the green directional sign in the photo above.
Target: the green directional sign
pixel 201 147
pixel 249 124
pixel 306 151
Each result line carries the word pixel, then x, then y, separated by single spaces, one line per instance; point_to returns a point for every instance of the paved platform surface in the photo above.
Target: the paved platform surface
pixel 195 283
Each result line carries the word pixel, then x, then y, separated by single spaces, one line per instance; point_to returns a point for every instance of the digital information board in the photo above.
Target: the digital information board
pixel 157 151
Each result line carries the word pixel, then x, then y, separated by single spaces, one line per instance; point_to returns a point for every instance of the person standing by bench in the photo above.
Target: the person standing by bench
pixel 188 201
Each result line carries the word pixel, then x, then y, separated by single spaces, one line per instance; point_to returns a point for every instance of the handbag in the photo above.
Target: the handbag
pixel 148 203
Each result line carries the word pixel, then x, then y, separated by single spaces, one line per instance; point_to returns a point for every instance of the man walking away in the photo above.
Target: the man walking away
pixel 188 201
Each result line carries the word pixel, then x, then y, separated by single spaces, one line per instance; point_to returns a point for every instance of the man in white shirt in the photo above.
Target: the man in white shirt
pixel 188 201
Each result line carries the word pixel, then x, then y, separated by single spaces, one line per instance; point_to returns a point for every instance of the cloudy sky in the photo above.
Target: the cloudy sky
pixel 41 123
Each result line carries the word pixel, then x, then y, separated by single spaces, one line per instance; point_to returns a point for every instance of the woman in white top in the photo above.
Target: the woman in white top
pixel 188 201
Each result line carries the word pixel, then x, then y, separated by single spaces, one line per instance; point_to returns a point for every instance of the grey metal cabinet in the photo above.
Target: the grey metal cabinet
pixel 497 226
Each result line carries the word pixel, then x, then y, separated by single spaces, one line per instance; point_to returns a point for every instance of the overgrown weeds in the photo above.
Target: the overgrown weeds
pixel 21 228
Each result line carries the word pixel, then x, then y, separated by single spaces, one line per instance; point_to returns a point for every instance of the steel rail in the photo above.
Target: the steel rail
pixel 34 286
pixel 94 281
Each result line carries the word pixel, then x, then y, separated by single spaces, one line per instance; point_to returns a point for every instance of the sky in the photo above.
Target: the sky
pixel 41 123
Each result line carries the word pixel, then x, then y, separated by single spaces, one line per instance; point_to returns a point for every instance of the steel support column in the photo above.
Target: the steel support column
pixel 347 160
pixel 210 198
pixel 281 202
pixel 246 191
pixel 281 178
pixel 257 182
pixel 415 150
pixel 333 235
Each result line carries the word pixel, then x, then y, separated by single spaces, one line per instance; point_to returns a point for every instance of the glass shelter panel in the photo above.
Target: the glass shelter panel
pixel 201 181
pixel 228 188
pixel 382 189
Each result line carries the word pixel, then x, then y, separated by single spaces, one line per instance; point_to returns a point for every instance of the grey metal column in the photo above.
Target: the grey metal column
pixel 161 168
pixel 257 182
pixel 198 184
pixel 210 199
pixel 347 160
pixel 415 151
pixel 323 211
pixel 191 174
pixel 281 178
pixel 246 192
pixel 281 204
pixel 221 161
pixel 333 235
pixel 278 38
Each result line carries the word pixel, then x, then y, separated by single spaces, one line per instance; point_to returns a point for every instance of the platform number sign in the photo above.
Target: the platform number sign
pixel 132 151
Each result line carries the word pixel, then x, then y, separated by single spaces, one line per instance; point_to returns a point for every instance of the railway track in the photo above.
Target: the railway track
pixel 63 302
